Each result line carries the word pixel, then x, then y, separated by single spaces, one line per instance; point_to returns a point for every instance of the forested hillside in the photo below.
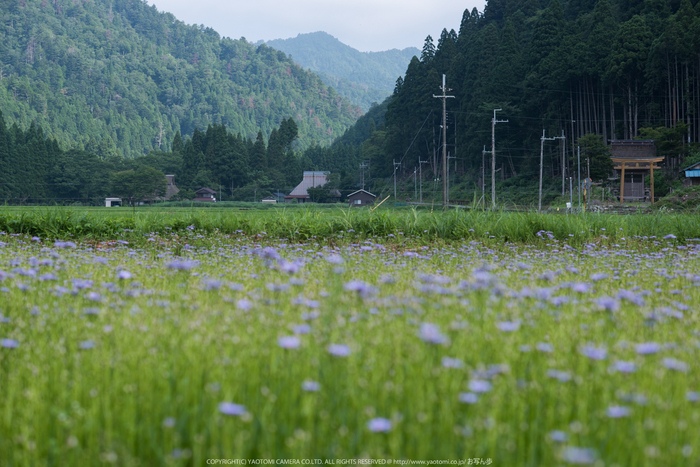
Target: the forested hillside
pixel 611 69
pixel 117 75
pixel 362 77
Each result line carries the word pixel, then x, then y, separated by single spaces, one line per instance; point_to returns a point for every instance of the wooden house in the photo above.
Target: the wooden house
pixel 206 195
pixel 361 198
pixel 692 175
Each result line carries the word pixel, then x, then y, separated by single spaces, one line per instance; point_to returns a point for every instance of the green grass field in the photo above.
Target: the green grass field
pixel 342 224
pixel 201 342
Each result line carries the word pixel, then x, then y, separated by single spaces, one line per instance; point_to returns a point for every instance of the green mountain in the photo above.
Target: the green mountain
pixel 593 71
pixel 121 73
pixel 362 77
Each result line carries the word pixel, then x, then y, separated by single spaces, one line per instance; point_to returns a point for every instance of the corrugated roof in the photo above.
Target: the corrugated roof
pixel 310 180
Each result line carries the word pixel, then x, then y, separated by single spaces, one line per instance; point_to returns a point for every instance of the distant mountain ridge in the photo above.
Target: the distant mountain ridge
pixel 361 77
pixel 120 72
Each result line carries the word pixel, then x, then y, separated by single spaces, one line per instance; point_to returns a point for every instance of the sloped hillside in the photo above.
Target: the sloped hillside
pixel 362 77
pixel 89 71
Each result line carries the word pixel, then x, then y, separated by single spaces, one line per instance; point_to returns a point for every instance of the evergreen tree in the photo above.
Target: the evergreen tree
pixel 428 50
pixel 258 160
pixel 178 146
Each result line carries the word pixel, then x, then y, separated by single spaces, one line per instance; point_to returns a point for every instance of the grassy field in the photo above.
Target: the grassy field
pixel 340 225
pixel 199 345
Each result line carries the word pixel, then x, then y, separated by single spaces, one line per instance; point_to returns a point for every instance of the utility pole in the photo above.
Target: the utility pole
pixel 448 175
pixel 579 178
pixel 420 175
pixel 363 165
pixel 415 184
pixel 571 191
pixel 444 98
pixel 483 175
pixel 563 163
pixel 396 164
pixel 542 140
pixel 493 156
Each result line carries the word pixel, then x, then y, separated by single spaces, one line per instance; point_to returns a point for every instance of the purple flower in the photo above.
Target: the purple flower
pixel 692 396
pixel 468 397
pixel 302 329
pixel 379 425
pixel 362 288
pixel 595 353
pixel 648 348
pixel 335 259
pixel 544 347
pixel 290 267
pixel 124 274
pixel 431 334
pixel 608 303
pixel 618 411
pixel 479 385
pixel 623 367
pixel 182 264
pixel 339 350
pixel 244 304
pixel 289 342
pixel 558 436
pixel 448 362
pixel 86 345
pixel 60 244
pixel 670 237
pixel 581 287
pixel 508 326
pixel 94 297
pixel 673 364
pixel 562 376
pixel 229 408
pixel 311 386
pixel 578 456
pixel 169 422
pixel 269 253
pixel 9 343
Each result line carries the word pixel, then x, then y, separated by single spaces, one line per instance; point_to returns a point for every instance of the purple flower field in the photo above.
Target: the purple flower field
pixel 176 352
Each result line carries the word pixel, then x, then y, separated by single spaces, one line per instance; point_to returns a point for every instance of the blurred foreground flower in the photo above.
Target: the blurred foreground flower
pixel 229 408
pixel 379 425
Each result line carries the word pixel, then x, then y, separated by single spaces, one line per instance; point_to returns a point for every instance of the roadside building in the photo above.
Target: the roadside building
pixel 206 195
pixel 310 180
pixel 361 198
pixel 692 175
pixel 170 190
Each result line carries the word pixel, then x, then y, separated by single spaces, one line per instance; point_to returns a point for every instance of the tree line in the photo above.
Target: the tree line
pixel 34 169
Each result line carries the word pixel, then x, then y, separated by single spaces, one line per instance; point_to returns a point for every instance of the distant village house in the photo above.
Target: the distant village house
pixel 310 180
pixel 171 190
pixel 206 195
pixel 692 175
pixel 361 198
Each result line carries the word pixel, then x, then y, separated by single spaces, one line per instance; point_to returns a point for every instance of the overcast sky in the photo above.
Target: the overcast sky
pixel 366 25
